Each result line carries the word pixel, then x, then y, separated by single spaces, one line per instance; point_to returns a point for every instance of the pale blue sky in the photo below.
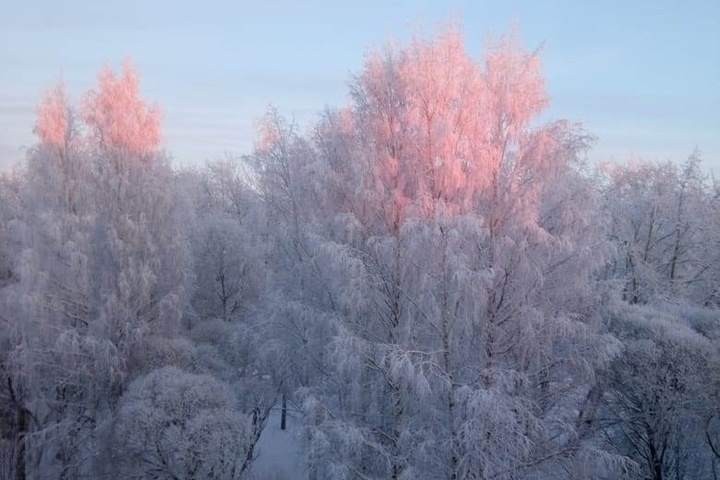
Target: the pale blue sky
pixel 643 76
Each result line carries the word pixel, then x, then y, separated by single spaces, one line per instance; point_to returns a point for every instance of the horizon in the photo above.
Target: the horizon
pixel 213 71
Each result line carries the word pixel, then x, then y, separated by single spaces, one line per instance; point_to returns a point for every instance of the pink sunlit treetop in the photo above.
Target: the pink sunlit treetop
pixel 118 116
pixel 444 127
pixel 53 121
pixel 113 115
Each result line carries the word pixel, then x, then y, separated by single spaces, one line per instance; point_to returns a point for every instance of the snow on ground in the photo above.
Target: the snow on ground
pixel 279 453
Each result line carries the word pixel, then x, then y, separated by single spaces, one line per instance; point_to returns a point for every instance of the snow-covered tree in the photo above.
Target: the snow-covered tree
pixel 175 425
pixel 450 229
pixel 656 397
pixel 429 273
pixel 99 267
pixel 663 223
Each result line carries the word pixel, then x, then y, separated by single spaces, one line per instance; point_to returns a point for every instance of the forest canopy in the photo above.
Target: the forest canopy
pixel 431 279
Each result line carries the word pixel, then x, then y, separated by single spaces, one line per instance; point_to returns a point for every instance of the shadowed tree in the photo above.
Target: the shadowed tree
pixel 100 269
pixel 175 425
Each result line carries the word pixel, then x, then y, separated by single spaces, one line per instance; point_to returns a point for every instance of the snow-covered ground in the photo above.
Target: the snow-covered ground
pixel 279 452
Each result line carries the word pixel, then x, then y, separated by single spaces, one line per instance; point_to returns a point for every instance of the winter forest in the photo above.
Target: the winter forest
pixel 430 282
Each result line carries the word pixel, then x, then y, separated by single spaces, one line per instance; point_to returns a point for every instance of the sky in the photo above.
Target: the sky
pixel 642 76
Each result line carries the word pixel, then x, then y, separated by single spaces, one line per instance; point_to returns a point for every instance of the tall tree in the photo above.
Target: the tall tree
pixel 100 267
pixel 456 227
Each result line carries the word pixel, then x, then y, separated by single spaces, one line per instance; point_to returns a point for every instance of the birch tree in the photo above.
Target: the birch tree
pixel 456 230
pixel 100 269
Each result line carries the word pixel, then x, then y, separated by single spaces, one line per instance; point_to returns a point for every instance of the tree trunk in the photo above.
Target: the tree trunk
pixel 21 418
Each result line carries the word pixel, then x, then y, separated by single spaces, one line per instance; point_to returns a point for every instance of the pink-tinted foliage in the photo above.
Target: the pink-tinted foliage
pixel 514 94
pixel 381 113
pixel 54 122
pixel 517 88
pixel 442 130
pixel 269 129
pixel 442 86
pixel 118 117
